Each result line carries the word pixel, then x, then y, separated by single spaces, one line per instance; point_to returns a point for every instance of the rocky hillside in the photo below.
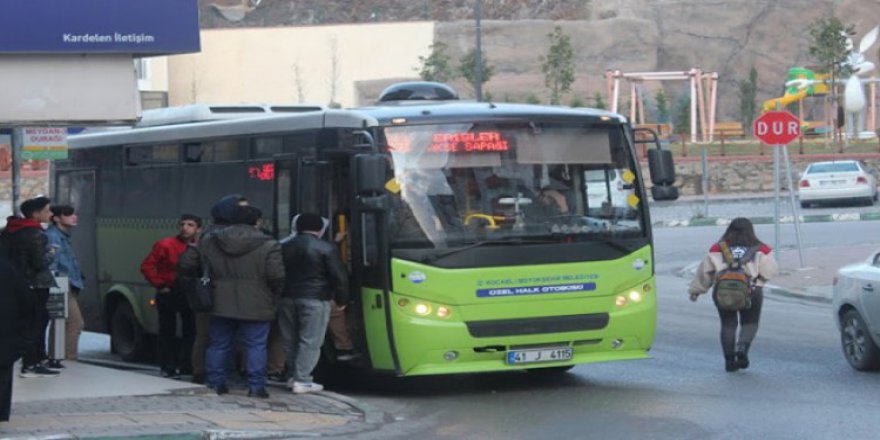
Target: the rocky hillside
pixel 726 36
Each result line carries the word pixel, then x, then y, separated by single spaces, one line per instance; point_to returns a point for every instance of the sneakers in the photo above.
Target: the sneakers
pixel 347 355
pixel 54 364
pixel 38 370
pixel 276 377
pixel 260 393
pixel 306 387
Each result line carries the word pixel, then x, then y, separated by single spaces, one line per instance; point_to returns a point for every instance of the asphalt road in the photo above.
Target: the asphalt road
pixel 799 385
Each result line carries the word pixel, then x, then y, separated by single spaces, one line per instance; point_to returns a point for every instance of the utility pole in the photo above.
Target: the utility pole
pixel 478 11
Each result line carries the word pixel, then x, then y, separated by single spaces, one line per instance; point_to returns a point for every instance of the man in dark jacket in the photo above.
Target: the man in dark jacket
pixel 28 249
pixel 316 280
pixel 221 217
pixel 247 273
pixel 14 295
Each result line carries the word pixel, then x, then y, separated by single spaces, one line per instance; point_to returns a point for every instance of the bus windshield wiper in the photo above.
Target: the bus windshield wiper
pixel 508 241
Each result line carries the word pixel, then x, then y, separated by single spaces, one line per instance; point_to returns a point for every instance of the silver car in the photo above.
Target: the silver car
pixel 856 305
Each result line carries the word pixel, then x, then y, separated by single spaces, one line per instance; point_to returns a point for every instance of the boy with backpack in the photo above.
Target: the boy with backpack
pixel 736 269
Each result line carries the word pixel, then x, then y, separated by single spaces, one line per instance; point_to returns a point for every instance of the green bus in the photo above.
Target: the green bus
pixel 479 236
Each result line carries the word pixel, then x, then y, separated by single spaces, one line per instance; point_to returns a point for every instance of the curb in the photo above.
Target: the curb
pixel 721 221
pixel 795 293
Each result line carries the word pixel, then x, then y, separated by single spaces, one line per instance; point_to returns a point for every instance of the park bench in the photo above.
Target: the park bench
pixel 728 129
pixel 663 130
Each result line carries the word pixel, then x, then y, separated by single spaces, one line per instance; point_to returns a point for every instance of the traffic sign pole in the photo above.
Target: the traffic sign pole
pixel 778 128
pixel 794 209
pixel 776 201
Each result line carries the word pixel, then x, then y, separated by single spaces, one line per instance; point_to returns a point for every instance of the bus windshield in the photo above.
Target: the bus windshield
pixel 465 183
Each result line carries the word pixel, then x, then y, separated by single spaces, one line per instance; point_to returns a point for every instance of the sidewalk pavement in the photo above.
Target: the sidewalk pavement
pixel 90 401
pixel 813 281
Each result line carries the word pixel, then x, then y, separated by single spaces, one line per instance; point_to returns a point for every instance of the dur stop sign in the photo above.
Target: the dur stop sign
pixel 777 128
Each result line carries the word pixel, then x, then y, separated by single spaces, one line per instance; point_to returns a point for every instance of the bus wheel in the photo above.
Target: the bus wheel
pixel 550 371
pixel 127 337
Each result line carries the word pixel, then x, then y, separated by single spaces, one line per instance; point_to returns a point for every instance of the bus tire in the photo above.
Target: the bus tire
pixel 550 371
pixel 127 337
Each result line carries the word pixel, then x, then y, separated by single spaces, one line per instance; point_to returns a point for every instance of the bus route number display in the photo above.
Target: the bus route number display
pixel 469 142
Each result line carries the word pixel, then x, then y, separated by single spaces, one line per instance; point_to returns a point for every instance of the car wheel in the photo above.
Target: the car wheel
pixel 805 205
pixel 127 337
pixel 859 349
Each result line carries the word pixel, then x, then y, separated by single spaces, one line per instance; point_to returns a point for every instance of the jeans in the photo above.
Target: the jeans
pixel 174 353
pixel 747 320
pixel 303 324
pixel 253 335
pixel 200 345
pixel 38 318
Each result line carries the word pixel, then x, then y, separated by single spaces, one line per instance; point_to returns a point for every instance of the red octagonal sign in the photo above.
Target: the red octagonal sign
pixel 777 128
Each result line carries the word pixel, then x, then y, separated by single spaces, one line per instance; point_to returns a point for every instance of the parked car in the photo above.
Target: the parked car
pixel 838 180
pixel 856 305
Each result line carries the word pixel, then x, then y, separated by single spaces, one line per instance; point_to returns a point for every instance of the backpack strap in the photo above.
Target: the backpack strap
pixel 750 253
pixel 726 254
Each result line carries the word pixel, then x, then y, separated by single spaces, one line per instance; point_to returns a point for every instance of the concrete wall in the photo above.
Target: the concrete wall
pixel 295 64
pixel 754 174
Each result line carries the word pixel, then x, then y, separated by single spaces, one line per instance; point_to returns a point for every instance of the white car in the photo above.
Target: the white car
pixel 838 180
pixel 856 305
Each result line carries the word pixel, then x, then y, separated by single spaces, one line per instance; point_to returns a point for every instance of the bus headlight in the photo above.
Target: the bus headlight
pixel 620 301
pixel 422 309
pixel 635 296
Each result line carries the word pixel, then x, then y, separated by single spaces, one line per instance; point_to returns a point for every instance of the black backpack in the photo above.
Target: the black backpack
pixel 733 286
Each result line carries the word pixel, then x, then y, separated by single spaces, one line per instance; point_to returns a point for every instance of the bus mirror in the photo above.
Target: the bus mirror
pixel 661 167
pixel 370 171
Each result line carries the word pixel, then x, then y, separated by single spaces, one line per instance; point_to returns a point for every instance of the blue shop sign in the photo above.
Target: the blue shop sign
pixel 140 27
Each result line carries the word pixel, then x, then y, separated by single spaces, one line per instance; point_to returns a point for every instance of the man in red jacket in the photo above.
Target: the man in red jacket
pixel 160 270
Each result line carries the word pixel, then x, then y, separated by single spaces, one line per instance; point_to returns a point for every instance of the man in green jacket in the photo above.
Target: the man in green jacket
pixel 247 273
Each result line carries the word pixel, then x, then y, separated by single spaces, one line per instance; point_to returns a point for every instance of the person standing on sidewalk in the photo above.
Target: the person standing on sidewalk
pixel 64 263
pixel 14 301
pixel 160 270
pixel 221 218
pixel 28 250
pixel 739 239
pixel 316 282
pixel 247 273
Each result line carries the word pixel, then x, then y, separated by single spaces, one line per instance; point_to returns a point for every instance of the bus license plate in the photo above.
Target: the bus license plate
pixel 542 355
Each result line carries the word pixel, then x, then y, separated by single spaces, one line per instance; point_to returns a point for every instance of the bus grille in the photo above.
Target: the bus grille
pixel 534 326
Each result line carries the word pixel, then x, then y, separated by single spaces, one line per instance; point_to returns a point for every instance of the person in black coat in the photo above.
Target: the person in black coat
pixel 13 327
pixel 27 248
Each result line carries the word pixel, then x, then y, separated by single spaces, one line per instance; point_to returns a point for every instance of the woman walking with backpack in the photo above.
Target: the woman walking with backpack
pixel 738 258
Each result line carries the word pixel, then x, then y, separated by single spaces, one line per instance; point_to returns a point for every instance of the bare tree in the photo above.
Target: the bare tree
pixel 334 71
pixel 298 83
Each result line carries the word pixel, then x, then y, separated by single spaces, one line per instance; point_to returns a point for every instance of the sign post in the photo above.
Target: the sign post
pixel 779 128
pixel 57 308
